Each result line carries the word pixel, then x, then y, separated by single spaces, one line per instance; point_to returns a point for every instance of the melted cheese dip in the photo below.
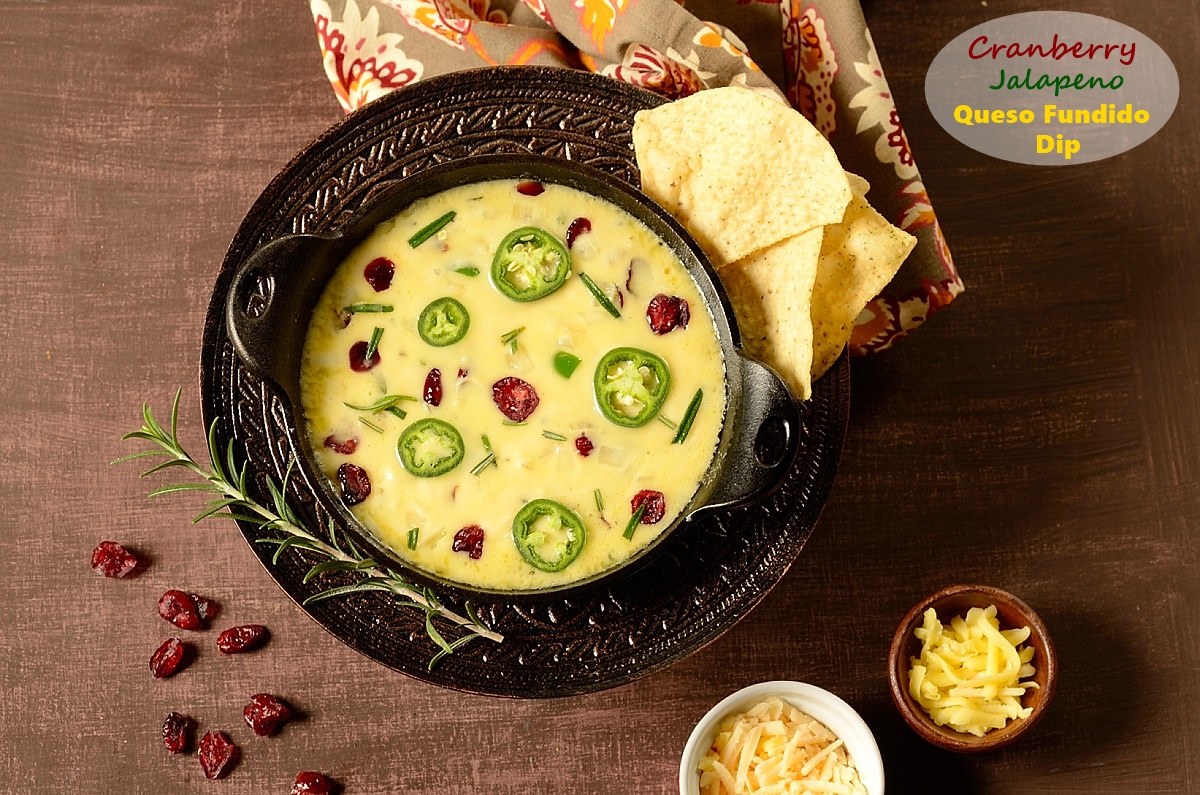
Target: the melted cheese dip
pixel 530 461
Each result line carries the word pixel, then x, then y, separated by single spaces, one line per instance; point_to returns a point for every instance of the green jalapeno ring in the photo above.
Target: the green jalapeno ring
pixel 430 447
pixel 528 539
pixel 530 263
pixel 443 322
pixel 621 386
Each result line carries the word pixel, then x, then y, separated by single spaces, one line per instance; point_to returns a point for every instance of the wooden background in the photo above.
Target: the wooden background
pixel 1041 435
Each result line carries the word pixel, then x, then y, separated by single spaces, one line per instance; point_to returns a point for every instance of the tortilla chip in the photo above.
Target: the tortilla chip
pixel 740 171
pixel 859 256
pixel 771 293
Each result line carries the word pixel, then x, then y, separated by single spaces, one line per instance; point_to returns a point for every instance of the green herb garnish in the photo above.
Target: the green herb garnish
pixel 397 412
pixel 370 424
pixel 689 416
pixel 558 437
pixel 599 295
pixel 376 336
pixel 633 521
pixel 470 271
pixel 365 308
pixel 412 537
pixel 510 338
pixel 667 421
pixel 488 460
pixel 229 483
pixel 599 501
pixel 430 229
pixel 383 404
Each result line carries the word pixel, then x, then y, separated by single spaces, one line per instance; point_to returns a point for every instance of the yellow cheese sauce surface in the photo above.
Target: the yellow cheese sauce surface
pixel 418 517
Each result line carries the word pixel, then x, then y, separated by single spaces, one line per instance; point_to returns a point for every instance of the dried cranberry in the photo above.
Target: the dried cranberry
pixel 515 398
pixel 113 560
pixel 655 502
pixel 379 272
pixel 584 445
pixel 246 637
pixel 217 753
pixel 167 658
pixel 205 608
pixel 462 372
pixel 265 714
pixel 180 609
pixel 433 387
pixel 666 313
pixel 359 362
pixel 355 483
pixel 578 227
pixel 531 188
pixel 345 448
pixel 469 540
pixel 176 731
pixel 312 783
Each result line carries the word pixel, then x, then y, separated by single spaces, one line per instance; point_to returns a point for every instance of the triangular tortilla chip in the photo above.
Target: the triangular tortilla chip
pixel 859 256
pixel 771 292
pixel 740 171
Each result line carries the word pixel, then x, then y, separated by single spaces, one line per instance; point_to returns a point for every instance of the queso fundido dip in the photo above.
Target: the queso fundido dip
pixel 513 385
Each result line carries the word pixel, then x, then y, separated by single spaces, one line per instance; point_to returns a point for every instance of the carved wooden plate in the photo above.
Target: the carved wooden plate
pixel 699 584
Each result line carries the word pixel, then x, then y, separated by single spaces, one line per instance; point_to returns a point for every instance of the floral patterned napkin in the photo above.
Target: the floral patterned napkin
pixel 821 53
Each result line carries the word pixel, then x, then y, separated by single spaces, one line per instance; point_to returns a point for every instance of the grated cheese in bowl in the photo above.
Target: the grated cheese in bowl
pixel 775 749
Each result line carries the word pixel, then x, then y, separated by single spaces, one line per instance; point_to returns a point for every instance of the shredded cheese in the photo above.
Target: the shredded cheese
pixel 969 674
pixel 775 749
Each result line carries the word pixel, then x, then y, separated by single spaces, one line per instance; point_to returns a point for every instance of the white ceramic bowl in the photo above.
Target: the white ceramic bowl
pixel 827 708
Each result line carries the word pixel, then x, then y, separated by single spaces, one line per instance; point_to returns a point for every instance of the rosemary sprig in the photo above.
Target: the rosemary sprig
pixel 227 481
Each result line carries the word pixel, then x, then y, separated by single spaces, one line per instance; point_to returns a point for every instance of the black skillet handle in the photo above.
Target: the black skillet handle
pixel 269 304
pixel 767 439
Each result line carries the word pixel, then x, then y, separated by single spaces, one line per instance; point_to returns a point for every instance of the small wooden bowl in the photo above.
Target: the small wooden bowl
pixel 956 600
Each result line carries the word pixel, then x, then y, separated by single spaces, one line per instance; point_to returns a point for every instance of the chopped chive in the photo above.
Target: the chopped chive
pixel 667 421
pixel 412 537
pixel 384 403
pixel 376 335
pixel 370 424
pixel 565 363
pixel 513 424
pixel 361 308
pixel 558 437
pixel 396 411
pixel 599 501
pixel 488 460
pixel 689 416
pixel 633 521
pixel 599 295
pixel 431 229
pixel 510 337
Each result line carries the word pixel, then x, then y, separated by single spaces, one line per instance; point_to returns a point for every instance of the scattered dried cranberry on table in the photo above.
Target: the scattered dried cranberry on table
pixel 184 609
pixel 379 272
pixel 359 362
pixel 655 502
pixel 176 731
pixel 515 398
pixel 246 637
pixel 666 313
pixel 167 658
pixel 470 540
pixel 265 714
pixel 312 783
pixel 355 483
pixel 113 560
pixel 217 753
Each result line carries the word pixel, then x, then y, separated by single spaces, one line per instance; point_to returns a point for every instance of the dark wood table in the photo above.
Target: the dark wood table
pixel 1041 435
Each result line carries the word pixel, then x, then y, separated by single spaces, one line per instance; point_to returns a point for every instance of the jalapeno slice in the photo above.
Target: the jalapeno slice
pixel 545 525
pixel 631 385
pixel 444 322
pixel 530 263
pixel 430 447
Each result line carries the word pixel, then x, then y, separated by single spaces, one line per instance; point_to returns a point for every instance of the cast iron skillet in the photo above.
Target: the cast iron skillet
pixel 274 291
